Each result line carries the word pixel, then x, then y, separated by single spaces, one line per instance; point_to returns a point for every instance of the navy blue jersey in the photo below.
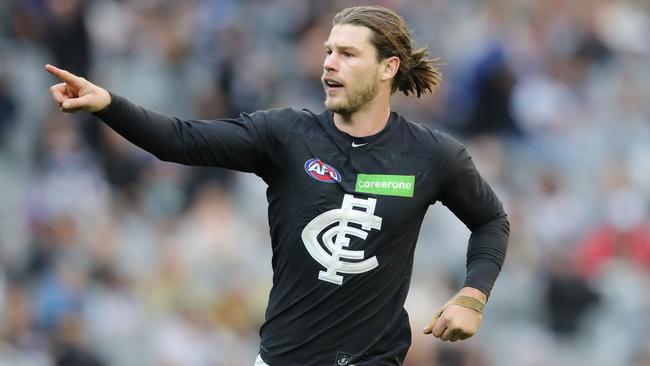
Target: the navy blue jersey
pixel 344 215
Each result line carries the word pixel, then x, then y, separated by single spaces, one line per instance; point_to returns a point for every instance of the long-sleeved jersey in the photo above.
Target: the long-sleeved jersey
pixel 344 215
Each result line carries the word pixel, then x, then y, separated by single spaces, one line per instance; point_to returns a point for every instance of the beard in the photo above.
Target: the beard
pixel 354 99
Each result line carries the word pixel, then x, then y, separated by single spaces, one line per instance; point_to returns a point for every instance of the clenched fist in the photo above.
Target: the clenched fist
pixel 76 93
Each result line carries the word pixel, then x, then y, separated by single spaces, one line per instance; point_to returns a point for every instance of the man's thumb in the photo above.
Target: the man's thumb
pixel 429 328
pixel 76 103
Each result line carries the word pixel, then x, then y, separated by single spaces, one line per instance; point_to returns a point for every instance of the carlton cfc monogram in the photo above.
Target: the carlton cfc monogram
pixel 336 238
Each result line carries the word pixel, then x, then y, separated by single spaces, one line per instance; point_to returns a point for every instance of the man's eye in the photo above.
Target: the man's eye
pixel 347 54
pixel 329 52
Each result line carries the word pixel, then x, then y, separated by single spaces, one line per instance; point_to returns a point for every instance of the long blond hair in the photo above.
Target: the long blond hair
pixel 417 75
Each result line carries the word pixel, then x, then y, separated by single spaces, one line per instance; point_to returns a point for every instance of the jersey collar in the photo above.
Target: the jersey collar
pixel 346 141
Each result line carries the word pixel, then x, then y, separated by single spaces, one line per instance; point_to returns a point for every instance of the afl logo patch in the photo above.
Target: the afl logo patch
pixel 321 171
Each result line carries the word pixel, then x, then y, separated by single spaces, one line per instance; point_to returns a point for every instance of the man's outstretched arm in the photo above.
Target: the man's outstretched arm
pixel 241 144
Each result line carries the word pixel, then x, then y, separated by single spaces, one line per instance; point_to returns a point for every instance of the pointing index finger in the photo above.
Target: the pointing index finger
pixel 66 76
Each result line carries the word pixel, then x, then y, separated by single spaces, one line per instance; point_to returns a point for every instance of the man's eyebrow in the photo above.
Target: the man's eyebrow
pixel 340 47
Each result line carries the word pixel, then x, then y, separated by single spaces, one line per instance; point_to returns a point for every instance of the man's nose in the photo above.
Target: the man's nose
pixel 330 63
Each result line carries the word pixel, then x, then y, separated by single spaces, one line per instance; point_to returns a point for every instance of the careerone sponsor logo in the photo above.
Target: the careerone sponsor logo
pixel 386 184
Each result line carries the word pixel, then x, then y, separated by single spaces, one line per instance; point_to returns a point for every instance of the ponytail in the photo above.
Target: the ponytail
pixel 417 75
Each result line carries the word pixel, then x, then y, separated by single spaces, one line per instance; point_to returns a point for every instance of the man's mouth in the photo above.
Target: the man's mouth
pixel 332 84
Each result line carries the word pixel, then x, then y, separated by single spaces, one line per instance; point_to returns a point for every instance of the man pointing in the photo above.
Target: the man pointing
pixel 348 189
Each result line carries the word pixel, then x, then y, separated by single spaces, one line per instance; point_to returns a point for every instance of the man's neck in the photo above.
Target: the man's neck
pixel 365 122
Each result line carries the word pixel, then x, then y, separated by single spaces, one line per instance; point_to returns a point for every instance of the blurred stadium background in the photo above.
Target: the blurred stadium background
pixel 109 257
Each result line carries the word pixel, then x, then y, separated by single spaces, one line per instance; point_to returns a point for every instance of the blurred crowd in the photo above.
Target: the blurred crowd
pixel 110 257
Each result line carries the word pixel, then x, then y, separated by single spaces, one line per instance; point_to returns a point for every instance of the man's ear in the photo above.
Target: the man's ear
pixel 389 67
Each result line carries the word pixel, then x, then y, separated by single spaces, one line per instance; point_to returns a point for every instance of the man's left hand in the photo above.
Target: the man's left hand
pixel 455 322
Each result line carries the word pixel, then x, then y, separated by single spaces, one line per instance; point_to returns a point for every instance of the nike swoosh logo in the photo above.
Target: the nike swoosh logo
pixel 358 145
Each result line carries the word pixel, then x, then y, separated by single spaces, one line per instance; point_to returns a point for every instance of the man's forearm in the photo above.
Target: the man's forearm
pixel 152 131
pixel 486 253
